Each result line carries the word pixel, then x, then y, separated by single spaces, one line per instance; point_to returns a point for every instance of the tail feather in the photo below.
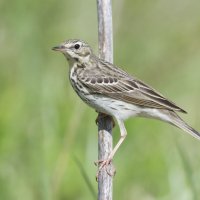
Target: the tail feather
pixel 178 122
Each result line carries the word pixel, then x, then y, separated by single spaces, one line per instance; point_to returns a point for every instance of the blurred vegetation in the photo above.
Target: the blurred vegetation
pixel 44 125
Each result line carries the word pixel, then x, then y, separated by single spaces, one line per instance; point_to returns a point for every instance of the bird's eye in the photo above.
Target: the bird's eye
pixel 77 46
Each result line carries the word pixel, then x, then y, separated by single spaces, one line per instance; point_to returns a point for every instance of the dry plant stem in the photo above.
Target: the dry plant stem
pixel 105 147
pixel 105 30
pixel 105 141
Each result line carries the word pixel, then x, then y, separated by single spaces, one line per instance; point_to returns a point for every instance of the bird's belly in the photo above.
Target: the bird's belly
pixel 112 107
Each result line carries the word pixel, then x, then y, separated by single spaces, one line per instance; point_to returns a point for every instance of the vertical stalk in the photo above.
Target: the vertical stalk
pixel 105 124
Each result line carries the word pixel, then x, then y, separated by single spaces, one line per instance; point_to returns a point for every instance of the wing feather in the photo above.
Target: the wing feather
pixel 121 86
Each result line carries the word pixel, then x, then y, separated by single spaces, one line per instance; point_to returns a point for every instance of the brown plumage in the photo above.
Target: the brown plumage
pixel 110 90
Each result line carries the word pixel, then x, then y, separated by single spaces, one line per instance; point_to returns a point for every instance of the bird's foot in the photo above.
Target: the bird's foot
pixel 110 169
pixel 103 115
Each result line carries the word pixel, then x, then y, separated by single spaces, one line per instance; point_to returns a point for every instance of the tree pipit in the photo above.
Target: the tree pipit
pixel 110 90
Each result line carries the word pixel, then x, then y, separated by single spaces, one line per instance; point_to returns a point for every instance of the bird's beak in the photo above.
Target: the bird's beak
pixel 59 48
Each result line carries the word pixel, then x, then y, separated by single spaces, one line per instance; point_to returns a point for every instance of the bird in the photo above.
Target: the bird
pixel 112 91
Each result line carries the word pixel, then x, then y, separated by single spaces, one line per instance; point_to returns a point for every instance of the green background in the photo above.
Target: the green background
pixel 44 126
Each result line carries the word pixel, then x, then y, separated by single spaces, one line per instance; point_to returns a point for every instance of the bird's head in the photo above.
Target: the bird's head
pixel 75 50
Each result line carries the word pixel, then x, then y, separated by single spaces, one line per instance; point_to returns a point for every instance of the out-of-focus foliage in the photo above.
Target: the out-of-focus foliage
pixel 44 125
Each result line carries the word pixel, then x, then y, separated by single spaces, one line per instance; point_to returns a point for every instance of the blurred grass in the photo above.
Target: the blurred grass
pixel 43 123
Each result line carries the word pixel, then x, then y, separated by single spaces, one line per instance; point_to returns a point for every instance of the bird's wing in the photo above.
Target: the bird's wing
pixel 121 86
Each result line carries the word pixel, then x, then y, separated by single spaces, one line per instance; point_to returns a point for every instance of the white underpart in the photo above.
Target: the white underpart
pixel 122 110
pixel 113 107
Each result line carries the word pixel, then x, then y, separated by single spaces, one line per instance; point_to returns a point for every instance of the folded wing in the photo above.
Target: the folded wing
pixel 127 89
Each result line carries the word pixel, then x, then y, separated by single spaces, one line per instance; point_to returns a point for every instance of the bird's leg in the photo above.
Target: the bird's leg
pixel 102 115
pixel 106 162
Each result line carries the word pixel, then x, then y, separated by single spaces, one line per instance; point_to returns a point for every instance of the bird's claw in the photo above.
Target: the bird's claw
pixel 110 169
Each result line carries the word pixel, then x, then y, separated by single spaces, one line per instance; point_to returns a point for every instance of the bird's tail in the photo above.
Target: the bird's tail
pixel 178 122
